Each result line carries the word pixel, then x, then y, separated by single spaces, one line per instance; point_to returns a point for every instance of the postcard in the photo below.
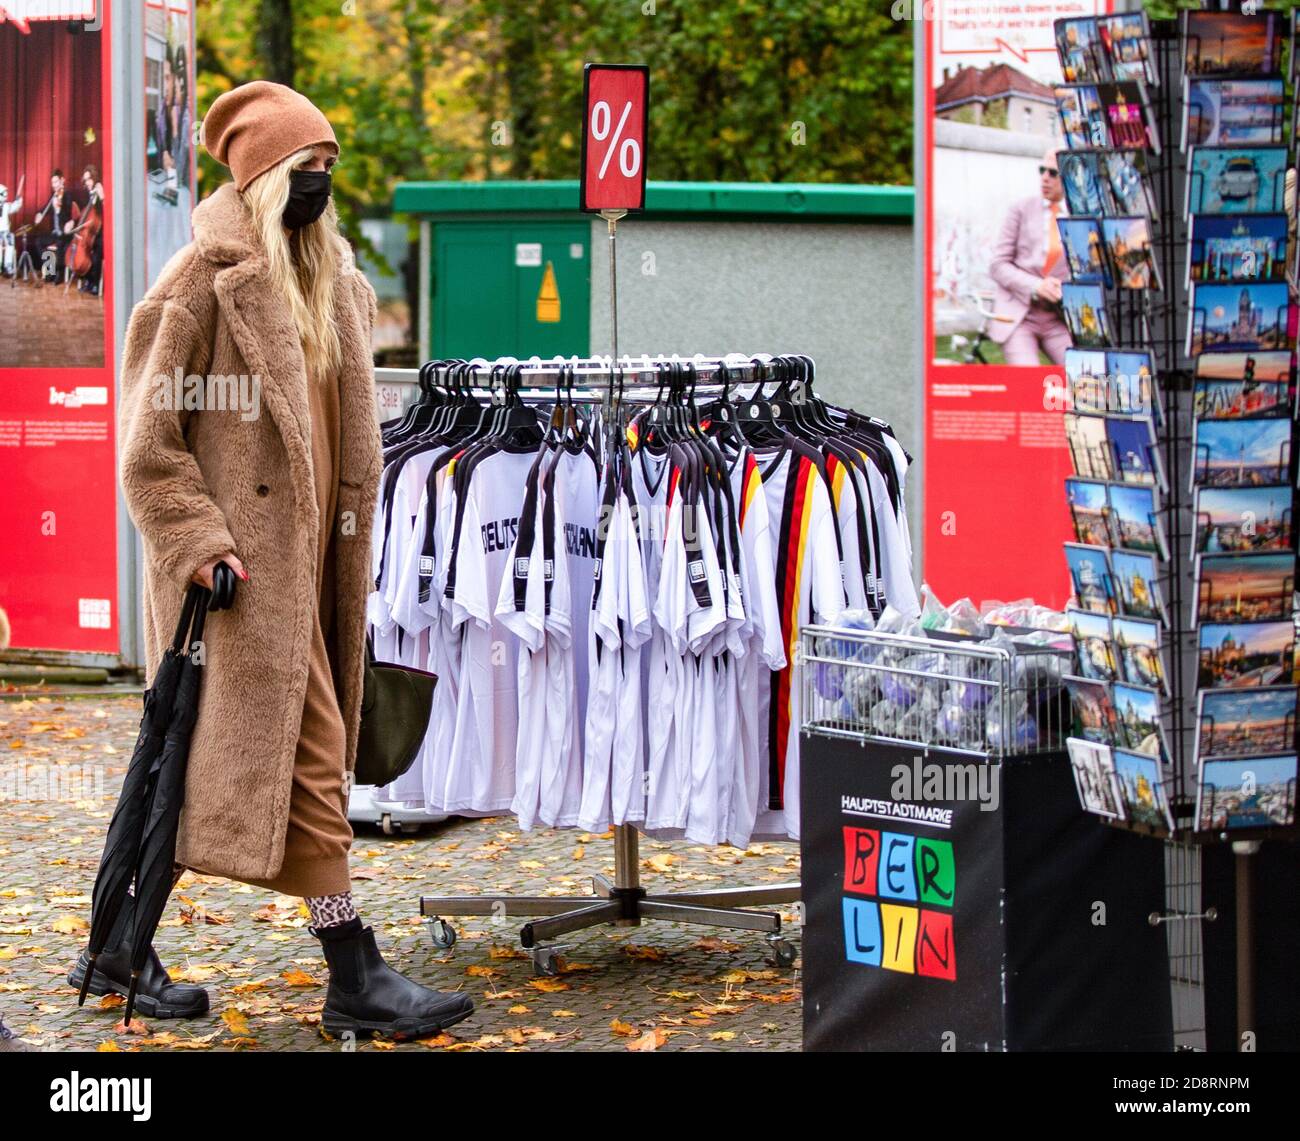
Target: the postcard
pixel 1084 309
pixel 1135 519
pixel 1129 121
pixel 1244 723
pixel 1241 453
pixel 1082 177
pixel 1090 452
pixel 1083 122
pixel 1094 777
pixel 1238 655
pixel 1240 399
pixel 1089 508
pixel 1245 316
pixel 1233 112
pixel 1092 645
pixel 1129 184
pixel 1084 59
pixel 1138 658
pixel 1094 712
pixel 1120 382
pixel 1134 454
pixel 1242 386
pixel 1090 576
pixel 1127 40
pixel 1231 43
pixel 1087 380
pixel 1137 708
pixel 1244 588
pixel 1128 241
pixel 1134 381
pixel 1235 180
pixel 1275 366
pixel 1237 247
pixel 1250 792
pixel 1243 519
pixel 1142 790
pixel 1136 582
pixel 1082 245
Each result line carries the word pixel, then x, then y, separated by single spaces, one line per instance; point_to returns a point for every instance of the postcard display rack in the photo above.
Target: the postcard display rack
pixel 1182 431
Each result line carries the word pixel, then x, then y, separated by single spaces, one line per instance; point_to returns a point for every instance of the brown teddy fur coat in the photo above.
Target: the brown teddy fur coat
pixel 199 483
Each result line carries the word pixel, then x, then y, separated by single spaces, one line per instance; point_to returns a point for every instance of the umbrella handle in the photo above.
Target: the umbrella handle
pixel 223 587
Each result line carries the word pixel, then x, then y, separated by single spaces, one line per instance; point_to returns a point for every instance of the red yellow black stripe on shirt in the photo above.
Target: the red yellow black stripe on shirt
pixel 791 559
pixel 751 485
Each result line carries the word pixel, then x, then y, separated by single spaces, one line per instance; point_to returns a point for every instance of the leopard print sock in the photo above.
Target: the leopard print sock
pixel 331 910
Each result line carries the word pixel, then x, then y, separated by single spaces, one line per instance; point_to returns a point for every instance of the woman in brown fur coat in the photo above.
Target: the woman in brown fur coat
pixel 249 435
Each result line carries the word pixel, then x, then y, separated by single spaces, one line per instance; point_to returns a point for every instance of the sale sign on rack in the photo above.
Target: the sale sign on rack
pixel 617 102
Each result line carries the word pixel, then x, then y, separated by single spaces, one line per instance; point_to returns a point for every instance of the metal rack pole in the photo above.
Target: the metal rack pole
pixel 1243 852
pixel 627 867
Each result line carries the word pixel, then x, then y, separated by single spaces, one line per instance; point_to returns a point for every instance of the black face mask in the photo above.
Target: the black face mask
pixel 309 194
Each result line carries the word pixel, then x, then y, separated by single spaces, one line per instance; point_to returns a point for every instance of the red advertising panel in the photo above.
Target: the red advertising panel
pixel 617 102
pixel 995 452
pixel 58 556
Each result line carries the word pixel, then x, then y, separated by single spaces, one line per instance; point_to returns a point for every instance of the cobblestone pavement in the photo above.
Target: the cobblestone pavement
pixel 659 986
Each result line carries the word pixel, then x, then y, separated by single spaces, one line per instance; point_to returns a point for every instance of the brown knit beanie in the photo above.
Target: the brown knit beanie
pixel 253 127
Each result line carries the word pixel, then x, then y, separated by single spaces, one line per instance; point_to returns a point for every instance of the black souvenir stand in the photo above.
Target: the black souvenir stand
pixel 1250 878
pixel 938 926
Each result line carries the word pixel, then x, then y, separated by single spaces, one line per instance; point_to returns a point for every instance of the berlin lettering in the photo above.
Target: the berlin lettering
pixel 897 904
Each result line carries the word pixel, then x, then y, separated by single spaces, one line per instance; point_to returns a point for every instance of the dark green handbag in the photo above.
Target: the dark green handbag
pixel 395 707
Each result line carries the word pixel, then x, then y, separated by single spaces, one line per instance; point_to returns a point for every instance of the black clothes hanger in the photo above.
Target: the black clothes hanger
pixel 758 417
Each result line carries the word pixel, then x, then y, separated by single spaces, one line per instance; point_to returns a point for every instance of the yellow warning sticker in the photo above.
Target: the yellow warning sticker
pixel 548 298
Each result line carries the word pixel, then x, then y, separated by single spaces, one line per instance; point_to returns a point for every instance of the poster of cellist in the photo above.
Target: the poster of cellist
pixel 53 145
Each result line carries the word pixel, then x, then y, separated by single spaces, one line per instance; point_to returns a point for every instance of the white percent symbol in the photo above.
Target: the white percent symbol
pixel 629 153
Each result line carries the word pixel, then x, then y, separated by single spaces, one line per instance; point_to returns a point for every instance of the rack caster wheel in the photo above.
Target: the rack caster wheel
pixel 546 961
pixel 442 934
pixel 386 824
pixel 784 953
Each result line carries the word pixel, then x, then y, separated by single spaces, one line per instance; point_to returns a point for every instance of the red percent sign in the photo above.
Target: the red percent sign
pixel 617 101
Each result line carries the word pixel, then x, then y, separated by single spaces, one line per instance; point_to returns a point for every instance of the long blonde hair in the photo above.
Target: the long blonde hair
pixel 303 263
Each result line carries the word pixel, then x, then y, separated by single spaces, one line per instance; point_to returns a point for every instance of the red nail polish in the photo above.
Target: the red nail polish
pixel 244 575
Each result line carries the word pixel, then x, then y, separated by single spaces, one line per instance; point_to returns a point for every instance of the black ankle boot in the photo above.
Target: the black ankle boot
pixel 367 996
pixel 156 996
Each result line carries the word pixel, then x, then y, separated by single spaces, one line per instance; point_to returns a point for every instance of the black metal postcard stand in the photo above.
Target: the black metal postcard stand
pixel 1158 320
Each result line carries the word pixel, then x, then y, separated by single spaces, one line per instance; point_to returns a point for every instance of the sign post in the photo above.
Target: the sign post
pixel 616 102
pixel 616 98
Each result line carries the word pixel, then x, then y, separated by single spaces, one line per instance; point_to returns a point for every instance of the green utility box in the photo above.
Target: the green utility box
pixel 511 288
pixel 513 268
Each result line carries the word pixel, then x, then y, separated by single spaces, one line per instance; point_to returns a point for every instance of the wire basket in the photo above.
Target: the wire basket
pixel 971 698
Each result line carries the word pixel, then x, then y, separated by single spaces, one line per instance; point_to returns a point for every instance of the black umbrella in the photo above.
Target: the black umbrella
pixel 157 852
pixel 126 829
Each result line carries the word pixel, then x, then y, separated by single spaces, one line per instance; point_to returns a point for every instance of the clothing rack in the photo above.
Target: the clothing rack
pixel 619 376
pixel 623 901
